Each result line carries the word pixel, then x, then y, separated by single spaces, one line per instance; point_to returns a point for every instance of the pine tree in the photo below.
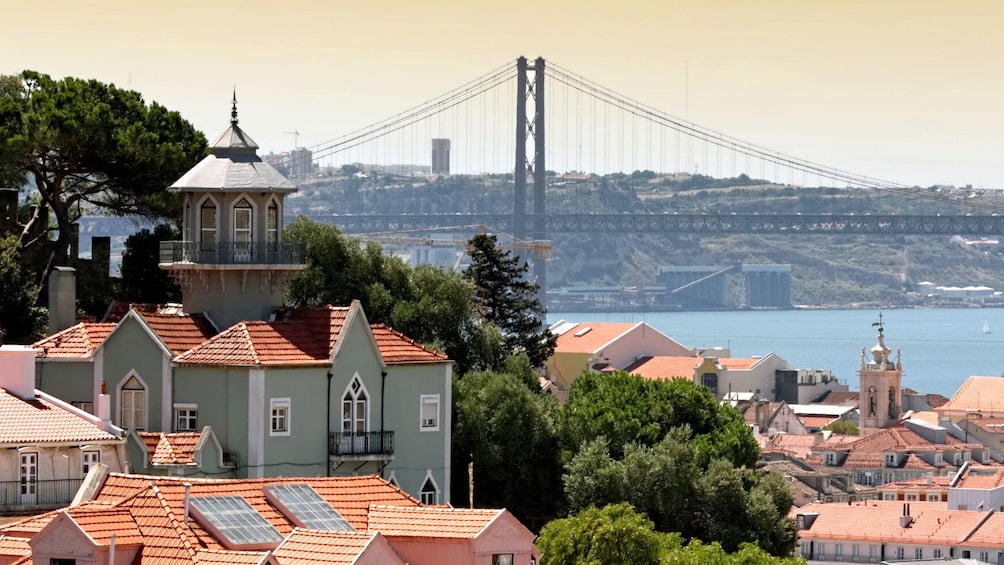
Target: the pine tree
pixel 507 299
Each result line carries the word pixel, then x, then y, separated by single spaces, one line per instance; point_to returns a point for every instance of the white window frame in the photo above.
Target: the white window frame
pixel 934 497
pixel 28 476
pixel 423 493
pixel 428 424
pixel 353 400
pixel 272 231
pixel 122 391
pixel 280 410
pixel 912 497
pixel 831 458
pixel 88 459
pixel 186 411
pixel 205 245
pixel 890 459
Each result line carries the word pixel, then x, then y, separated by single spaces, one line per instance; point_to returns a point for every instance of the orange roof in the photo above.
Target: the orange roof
pixel 990 532
pixel 977 394
pixel 878 520
pixel 15 547
pixel 430 521
pixel 309 547
pixel 981 477
pixel 261 343
pixel 665 367
pixel 589 337
pixel 179 332
pixel 817 421
pixel 42 421
pixel 396 347
pixel 102 523
pixel 176 448
pixel 739 363
pixel 75 342
pixel 798 445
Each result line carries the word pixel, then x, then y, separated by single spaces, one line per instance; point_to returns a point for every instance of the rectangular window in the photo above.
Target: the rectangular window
pixel 855 552
pixel 890 459
pixel 430 413
pixel 280 416
pixel 85 406
pixel 966 554
pixel 207 227
pixel 937 554
pixel 831 458
pixel 838 551
pixel 89 459
pixel 911 497
pixel 820 550
pixel 900 553
pixel 133 408
pixel 502 559
pixel 934 498
pixel 985 556
pixel 710 380
pixel 62 561
pixel 918 553
pixel 272 227
pixel 186 417
pixel 872 552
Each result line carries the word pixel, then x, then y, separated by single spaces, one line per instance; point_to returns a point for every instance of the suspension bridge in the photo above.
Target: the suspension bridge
pixel 506 125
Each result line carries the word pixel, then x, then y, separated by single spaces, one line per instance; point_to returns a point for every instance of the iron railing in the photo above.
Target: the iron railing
pixel 24 494
pixel 366 443
pixel 233 253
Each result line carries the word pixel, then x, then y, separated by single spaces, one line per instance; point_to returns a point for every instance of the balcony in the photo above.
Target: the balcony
pixel 361 446
pixel 232 253
pixel 18 496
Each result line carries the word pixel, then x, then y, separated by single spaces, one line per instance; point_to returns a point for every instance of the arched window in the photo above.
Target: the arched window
pixel 354 408
pixel 429 493
pixel 272 226
pixel 242 230
pixel 133 405
pixel 207 225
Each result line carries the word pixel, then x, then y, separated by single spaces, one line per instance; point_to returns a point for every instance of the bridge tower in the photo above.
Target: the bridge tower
pixel 530 128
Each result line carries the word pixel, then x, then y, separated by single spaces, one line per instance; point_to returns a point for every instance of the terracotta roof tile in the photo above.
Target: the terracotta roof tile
pixel 176 448
pixel 739 363
pixel 261 343
pixel 981 477
pixel 817 421
pixel 101 523
pixel 989 534
pixel 396 347
pixel 798 445
pixel 589 337
pixel 42 421
pixel 979 394
pixel 228 557
pixel 309 547
pixel 840 398
pixel 430 521
pixel 878 520
pixel 179 332
pixel 14 547
pixel 665 367
pixel 75 342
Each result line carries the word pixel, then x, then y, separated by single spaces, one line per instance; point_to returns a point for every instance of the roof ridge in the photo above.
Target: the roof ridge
pixel 186 544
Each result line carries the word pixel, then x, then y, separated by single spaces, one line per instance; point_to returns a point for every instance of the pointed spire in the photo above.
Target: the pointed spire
pixel 233 110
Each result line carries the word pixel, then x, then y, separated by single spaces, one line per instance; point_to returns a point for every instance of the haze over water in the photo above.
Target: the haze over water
pixel 940 347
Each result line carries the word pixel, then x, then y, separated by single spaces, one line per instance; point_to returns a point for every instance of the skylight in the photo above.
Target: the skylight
pixel 305 508
pixel 235 522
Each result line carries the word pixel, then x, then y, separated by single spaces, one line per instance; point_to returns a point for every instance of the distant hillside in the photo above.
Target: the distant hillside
pixel 838 270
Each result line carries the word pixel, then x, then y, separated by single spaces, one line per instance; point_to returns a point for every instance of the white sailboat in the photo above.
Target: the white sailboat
pixel 986 327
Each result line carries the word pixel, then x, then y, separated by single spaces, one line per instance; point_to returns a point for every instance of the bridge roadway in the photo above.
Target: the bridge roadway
pixel 806 224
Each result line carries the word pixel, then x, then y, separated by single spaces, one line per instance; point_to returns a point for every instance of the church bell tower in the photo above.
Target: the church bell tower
pixel 881 385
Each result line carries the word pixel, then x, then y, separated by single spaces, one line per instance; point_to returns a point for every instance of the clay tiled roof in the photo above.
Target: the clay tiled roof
pixel 430 521
pixel 817 421
pixel 933 523
pixel 101 523
pixel 179 332
pixel 935 482
pixel 739 363
pixel 798 445
pixel 989 534
pixel 176 448
pixel 15 548
pixel 977 394
pixel 599 334
pixel 840 398
pixel 42 421
pixel 75 342
pixel 262 343
pixel 665 367
pixel 309 547
pixel 395 347
pixel 981 477
pixel 221 557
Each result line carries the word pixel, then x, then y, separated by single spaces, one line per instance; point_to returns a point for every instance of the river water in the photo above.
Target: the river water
pixel 940 347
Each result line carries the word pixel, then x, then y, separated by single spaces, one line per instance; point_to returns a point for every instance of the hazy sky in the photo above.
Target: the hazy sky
pixel 909 91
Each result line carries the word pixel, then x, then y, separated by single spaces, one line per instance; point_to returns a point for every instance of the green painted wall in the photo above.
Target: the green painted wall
pixel 131 348
pixel 70 381
pixel 304 452
pixel 222 396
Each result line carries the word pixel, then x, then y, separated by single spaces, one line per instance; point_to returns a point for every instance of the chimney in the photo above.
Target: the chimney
pixel 17 370
pixel 105 407
pixel 905 520
pixel 62 298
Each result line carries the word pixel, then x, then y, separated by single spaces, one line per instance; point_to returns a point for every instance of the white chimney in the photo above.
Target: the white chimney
pixel 17 370
pixel 105 408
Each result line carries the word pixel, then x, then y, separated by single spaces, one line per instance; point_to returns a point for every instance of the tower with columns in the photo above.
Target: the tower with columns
pixel 881 384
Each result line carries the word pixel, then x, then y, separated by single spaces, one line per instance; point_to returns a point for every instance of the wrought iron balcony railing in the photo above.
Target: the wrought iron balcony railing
pixel 233 253
pixel 367 443
pixel 24 494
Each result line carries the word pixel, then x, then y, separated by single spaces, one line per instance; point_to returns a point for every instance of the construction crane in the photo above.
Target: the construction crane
pixel 296 137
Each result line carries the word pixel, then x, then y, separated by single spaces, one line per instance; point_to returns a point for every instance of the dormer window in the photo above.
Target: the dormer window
pixel 831 458
pixel 938 459
pixel 890 459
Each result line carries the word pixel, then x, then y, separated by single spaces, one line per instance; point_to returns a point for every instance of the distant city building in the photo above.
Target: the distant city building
pixel 441 156
pixel 298 163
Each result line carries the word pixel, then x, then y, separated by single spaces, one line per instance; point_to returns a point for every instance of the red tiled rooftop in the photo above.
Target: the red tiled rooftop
pixel 42 421
pixel 977 394
pixel 818 422
pixel 840 398
pixel 176 448
pixel 75 342
pixel 261 343
pixel 878 520
pixel 665 367
pixel 179 332
pixel 396 347
pixel 100 524
pixel 309 547
pixel 589 337
pixel 430 521
pixel 738 363
pixel 981 477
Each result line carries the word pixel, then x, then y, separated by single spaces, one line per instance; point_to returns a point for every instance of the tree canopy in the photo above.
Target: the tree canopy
pixel 505 298
pixel 84 145
pixel 20 320
pixel 142 279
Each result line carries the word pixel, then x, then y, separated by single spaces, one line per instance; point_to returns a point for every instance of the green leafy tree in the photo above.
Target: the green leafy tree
pixel 20 320
pixel 142 280
pixel 505 298
pixel 508 432
pixel 85 145
pixel 612 535
pixel 626 408
pixel 842 427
